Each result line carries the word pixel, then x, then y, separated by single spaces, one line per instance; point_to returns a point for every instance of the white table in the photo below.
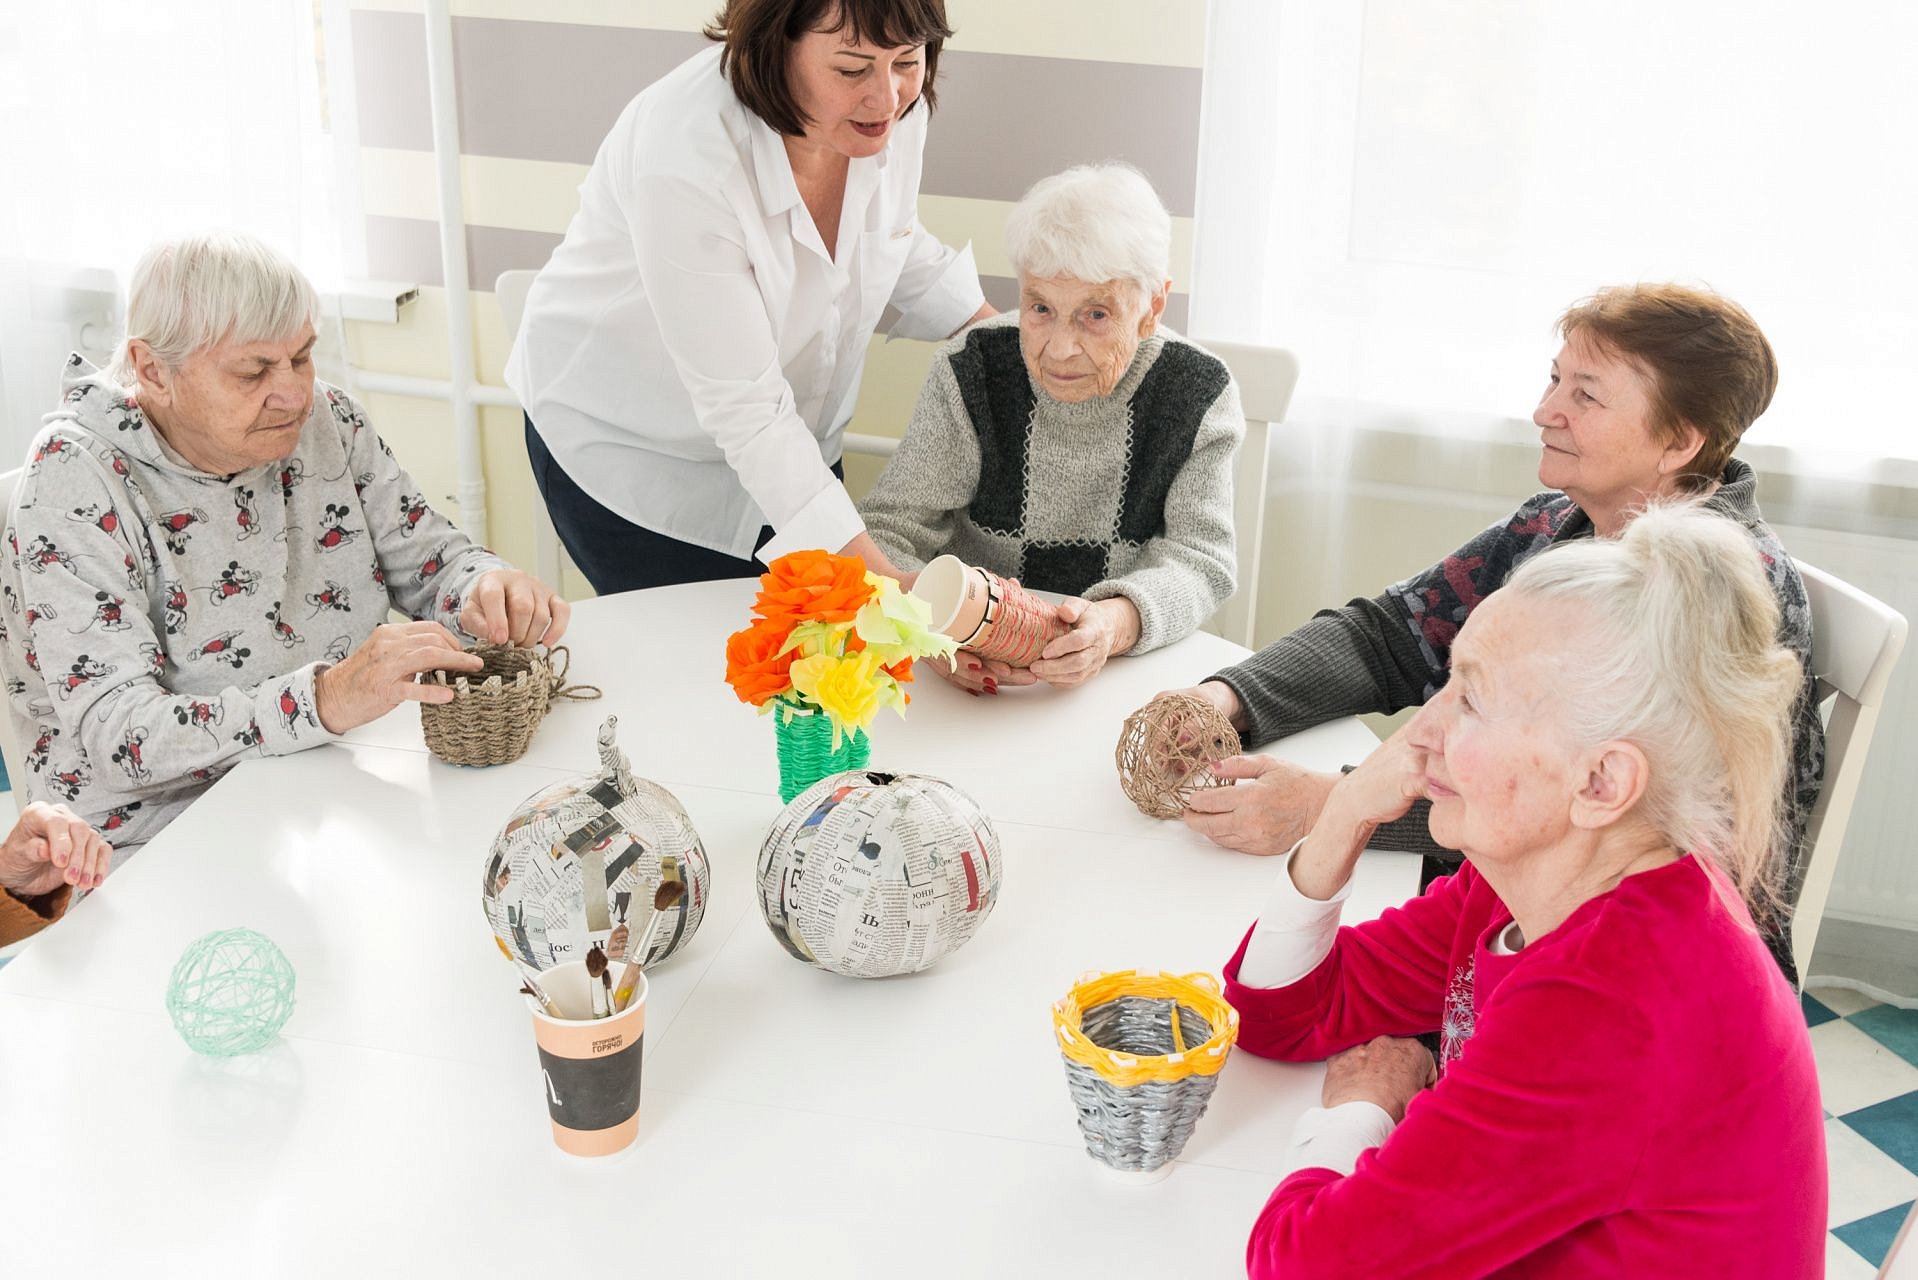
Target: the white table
pixel 792 1123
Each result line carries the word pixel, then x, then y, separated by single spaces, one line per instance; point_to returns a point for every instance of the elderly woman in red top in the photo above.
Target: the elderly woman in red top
pixel 1625 1085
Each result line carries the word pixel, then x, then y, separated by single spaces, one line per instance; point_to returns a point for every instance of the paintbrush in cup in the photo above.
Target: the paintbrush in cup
pixel 529 981
pixel 595 975
pixel 664 900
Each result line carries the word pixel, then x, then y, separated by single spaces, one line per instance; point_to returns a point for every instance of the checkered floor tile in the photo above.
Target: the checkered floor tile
pixel 1868 1073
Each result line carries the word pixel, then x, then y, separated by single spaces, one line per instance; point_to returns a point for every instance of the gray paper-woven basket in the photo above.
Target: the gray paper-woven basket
pixel 1140 1127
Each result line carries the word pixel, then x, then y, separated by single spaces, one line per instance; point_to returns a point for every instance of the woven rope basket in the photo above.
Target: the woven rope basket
pixel 1142 1052
pixel 493 714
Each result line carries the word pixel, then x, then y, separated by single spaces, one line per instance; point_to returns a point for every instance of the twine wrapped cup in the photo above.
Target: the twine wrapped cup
pixel 1143 1052
pixel 985 613
pixel 1166 749
pixel 493 713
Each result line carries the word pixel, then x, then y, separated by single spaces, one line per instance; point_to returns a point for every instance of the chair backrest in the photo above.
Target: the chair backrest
pixel 1901 1262
pixel 10 749
pixel 1266 377
pixel 511 289
pixel 1855 643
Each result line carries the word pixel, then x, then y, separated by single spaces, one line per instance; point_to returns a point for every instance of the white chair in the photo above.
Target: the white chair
pixel 1855 642
pixel 1266 377
pixel 10 749
pixel 511 289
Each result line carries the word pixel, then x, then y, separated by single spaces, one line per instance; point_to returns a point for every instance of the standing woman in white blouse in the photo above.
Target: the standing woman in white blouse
pixel 691 353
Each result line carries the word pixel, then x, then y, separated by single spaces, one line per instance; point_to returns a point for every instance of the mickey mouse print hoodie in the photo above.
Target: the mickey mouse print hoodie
pixel 161 624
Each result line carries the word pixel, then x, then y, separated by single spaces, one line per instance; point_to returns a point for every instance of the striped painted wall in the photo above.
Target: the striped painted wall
pixel 1025 90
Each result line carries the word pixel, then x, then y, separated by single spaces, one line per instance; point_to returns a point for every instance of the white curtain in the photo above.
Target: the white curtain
pixel 1407 192
pixel 124 121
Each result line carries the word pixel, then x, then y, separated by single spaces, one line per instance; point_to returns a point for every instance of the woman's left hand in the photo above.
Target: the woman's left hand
pixel 1097 632
pixel 508 606
pixel 1387 1072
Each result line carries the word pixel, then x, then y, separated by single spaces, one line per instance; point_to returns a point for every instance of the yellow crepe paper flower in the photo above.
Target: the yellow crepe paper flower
pixel 897 625
pixel 847 689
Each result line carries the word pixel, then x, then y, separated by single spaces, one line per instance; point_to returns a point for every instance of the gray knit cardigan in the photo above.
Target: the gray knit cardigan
pixel 1128 494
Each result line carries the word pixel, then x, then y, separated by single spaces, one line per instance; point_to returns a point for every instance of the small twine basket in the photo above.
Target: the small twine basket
pixel 1142 1053
pixel 493 714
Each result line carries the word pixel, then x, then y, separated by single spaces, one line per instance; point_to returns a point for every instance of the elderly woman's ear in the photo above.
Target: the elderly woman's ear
pixel 155 387
pixel 1154 308
pixel 1614 783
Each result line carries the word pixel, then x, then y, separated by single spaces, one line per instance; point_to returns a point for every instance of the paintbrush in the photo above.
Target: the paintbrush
pixel 595 973
pixel 529 981
pixel 664 899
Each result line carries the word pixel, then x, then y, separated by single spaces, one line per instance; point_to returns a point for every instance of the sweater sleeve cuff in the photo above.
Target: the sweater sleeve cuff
pixel 23 917
pixel 1334 1138
pixel 1294 933
pixel 952 300
pixel 286 712
pixel 826 523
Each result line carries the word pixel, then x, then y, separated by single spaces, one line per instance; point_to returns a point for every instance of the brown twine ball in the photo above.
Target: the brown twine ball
pixel 494 711
pixel 1164 750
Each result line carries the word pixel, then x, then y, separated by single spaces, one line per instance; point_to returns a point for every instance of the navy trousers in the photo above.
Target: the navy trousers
pixel 614 553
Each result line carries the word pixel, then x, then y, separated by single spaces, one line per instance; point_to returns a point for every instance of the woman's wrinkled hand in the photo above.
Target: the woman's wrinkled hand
pixel 379 675
pixel 1094 633
pixel 50 846
pixel 976 675
pixel 1387 1072
pixel 1270 806
pixel 509 606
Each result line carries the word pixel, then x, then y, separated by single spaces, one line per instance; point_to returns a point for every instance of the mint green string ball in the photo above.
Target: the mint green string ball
pixel 230 993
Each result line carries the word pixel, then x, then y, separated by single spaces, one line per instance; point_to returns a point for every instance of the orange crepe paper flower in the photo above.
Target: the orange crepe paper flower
pixel 755 666
pixel 812 586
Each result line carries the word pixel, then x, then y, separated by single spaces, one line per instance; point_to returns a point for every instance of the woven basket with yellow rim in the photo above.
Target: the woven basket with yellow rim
pixel 493 713
pixel 1143 1052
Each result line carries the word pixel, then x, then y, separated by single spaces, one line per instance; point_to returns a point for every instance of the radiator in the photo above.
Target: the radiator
pixel 1876 881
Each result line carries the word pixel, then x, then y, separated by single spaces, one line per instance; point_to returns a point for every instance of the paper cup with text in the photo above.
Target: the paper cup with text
pixel 591 1065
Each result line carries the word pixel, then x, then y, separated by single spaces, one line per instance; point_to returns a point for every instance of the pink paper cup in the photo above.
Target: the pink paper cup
pixel 955 592
pixel 591 1065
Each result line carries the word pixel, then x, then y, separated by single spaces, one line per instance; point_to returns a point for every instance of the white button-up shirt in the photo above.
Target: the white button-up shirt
pixel 691 353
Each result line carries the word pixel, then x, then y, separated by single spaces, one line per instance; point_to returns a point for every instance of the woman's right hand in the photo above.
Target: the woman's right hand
pixel 378 676
pixel 976 675
pixel 1380 790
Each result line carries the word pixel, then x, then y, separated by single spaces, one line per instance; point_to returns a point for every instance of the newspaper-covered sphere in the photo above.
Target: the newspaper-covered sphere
pixel 873 874
pixel 580 863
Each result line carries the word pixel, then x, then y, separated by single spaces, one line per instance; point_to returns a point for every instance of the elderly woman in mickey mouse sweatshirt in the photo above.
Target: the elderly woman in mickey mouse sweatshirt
pixel 204 549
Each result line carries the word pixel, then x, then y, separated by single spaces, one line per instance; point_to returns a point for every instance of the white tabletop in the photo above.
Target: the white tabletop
pixel 792 1122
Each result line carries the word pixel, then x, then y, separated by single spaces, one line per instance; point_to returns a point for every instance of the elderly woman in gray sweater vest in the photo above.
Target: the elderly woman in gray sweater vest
pixel 1079 446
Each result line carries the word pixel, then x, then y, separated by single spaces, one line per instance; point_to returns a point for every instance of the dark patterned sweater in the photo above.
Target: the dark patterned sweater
pixel 1128 494
pixel 1394 651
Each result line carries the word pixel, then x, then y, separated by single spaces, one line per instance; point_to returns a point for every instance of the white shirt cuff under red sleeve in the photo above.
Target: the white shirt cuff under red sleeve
pixel 1334 1137
pixel 1294 932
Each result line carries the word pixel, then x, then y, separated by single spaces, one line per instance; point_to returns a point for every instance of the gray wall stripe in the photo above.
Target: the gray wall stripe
pixel 550 90
pixel 408 249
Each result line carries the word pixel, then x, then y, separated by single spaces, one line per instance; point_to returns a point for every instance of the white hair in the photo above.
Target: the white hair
pixel 220 286
pixel 1677 652
pixel 1094 223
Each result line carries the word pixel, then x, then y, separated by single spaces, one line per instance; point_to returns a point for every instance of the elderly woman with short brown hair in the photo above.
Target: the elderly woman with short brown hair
pixel 1624 1086
pixel 1647 398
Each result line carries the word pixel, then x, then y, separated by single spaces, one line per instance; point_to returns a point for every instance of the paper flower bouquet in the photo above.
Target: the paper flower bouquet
pixel 830 646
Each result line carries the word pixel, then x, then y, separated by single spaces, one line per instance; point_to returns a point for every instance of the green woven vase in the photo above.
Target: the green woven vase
pixel 806 752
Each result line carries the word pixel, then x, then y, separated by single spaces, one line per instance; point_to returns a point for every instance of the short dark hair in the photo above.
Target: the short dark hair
pixel 758 35
pixel 1706 359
